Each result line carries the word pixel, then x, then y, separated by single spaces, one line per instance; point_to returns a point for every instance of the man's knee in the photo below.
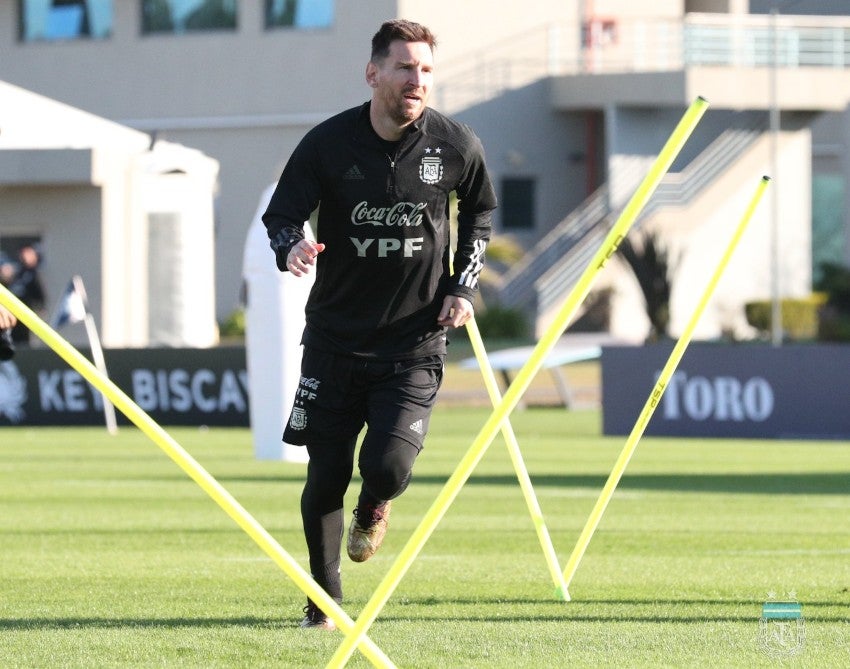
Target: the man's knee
pixel 386 472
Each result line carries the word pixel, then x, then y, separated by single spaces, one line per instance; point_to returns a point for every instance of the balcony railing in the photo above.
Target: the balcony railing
pixel 744 40
pixel 658 45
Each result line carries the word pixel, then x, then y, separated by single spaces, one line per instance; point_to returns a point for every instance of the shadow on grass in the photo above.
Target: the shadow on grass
pixel 459 601
pixel 590 610
pixel 144 623
pixel 807 483
pixel 810 483
pixel 820 483
pixel 212 623
pixel 619 610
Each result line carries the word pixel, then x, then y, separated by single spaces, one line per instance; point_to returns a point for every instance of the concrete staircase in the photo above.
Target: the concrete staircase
pixel 541 280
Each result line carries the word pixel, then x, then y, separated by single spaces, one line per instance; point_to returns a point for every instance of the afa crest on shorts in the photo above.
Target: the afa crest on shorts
pixel 298 419
pixel 431 166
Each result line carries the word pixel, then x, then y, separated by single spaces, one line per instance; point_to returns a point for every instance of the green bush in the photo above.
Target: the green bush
pixel 835 314
pixel 835 282
pixel 799 316
pixel 834 325
pixel 502 323
pixel 233 325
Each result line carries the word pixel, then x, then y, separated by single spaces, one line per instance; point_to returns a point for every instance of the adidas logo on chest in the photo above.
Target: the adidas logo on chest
pixel 353 174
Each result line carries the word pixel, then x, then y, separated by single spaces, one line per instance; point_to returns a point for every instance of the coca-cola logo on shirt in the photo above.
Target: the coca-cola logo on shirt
pixel 400 214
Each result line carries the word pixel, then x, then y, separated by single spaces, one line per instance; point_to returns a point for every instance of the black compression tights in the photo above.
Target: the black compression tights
pixel 385 465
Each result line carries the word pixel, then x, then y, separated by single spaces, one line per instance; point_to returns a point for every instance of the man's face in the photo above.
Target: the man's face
pixel 28 257
pixel 402 81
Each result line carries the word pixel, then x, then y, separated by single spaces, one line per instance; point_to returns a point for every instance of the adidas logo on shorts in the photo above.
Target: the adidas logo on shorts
pixel 417 426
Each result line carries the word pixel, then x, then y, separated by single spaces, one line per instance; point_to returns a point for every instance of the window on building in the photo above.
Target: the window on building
pixel 829 236
pixel 517 203
pixel 182 16
pixel 299 13
pixel 167 259
pixel 53 20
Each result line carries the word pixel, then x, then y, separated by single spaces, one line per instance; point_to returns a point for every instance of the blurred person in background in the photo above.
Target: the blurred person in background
pixel 27 287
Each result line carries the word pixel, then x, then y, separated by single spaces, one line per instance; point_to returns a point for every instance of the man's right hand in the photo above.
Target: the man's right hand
pixel 281 243
pixel 302 255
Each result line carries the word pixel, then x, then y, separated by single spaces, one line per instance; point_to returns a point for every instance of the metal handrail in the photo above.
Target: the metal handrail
pixel 677 189
pixel 518 282
pixel 727 40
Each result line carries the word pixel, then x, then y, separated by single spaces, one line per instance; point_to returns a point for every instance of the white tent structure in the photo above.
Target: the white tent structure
pixel 131 215
pixel 274 321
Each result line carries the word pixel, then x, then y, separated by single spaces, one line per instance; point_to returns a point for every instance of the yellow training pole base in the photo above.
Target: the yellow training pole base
pixel 562 594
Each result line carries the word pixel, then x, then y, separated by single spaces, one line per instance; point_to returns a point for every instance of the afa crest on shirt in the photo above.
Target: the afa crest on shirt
pixel 431 168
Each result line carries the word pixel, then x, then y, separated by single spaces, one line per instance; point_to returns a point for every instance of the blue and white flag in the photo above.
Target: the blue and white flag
pixel 72 307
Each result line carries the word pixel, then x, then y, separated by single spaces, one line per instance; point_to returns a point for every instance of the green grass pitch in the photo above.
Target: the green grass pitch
pixel 111 557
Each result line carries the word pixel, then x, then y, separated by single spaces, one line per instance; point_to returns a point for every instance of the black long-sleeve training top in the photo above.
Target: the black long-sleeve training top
pixel 384 219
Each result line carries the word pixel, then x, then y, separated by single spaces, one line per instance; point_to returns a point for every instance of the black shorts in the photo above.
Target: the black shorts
pixel 338 395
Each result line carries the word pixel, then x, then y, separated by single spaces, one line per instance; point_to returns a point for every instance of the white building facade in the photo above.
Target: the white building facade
pixel 572 99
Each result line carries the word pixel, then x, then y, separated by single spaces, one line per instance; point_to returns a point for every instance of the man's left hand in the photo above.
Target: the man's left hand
pixel 456 311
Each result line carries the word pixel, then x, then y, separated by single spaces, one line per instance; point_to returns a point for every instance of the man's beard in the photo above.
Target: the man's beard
pixel 402 116
pixel 401 113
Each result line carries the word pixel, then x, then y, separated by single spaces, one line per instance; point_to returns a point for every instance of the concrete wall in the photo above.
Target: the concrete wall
pixel 628 10
pixel 511 129
pixel 697 236
pixel 249 71
pixel 478 28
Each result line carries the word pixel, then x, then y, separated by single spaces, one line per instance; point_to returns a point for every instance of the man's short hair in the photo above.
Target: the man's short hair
pixel 399 29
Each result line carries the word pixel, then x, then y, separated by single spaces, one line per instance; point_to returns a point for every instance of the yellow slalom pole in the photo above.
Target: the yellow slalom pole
pixel 519 464
pixel 191 467
pixel 657 391
pixel 521 470
pixel 523 379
